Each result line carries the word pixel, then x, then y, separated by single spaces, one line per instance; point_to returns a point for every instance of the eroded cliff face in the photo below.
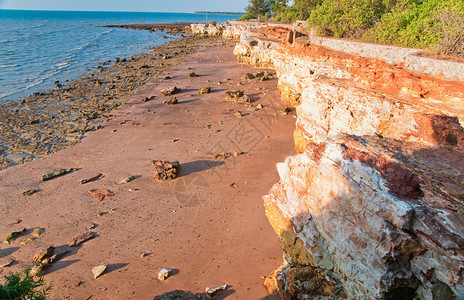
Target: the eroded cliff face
pixel 371 206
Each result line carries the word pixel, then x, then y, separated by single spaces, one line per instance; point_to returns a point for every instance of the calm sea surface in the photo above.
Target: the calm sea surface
pixel 39 47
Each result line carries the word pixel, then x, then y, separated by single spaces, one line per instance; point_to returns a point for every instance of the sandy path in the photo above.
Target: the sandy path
pixel 198 224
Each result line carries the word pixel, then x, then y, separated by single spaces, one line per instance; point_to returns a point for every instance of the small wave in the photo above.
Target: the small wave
pixel 8 66
pixel 62 65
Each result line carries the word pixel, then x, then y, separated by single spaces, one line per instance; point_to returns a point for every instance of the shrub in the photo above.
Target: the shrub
pixel 212 22
pixel 245 17
pixel 419 24
pixel 452 42
pixel 288 16
pixel 23 286
pixel 346 18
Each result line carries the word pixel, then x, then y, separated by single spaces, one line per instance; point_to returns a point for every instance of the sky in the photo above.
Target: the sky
pixel 124 5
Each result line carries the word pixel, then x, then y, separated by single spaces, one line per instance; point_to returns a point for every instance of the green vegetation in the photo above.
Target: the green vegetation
pixel 23 286
pixel 258 9
pixel 431 24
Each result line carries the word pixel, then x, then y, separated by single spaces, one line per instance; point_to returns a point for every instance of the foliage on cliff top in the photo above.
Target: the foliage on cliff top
pixel 430 24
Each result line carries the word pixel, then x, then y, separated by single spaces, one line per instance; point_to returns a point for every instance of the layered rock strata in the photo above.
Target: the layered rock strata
pixel 372 205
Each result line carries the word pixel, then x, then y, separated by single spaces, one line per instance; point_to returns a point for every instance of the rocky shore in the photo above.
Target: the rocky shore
pixel 100 220
pixel 170 27
pixel 46 122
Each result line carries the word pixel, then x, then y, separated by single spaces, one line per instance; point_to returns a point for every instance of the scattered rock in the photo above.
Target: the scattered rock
pixel 170 91
pixel 167 77
pixel 146 99
pixel 204 90
pixel 261 75
pixel 98 271
pixel 287 110
pixel 38 269
pixel 99 176
pixel 82 239
pixel 171 101
pixel 29 192
pixel 27 241
pixel 238 114
pixel 212 292
pixel 237 96
pixel 101 194
pixel 51 174
pixel 248 76
pixel 36 232
pixel 222 156
pixel 238 153
pixel 234 95
pixel 259 106
pixel 181 295
pixel 14 235
pixel 164 274
pixel 78 284
pixel 165 170
pixel 193 75
pixel 127 179
pixel 44 254
pixel 6 263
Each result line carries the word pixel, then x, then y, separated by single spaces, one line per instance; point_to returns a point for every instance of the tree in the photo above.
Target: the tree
pixel 279 7
pixel 258 8
pixel 304 7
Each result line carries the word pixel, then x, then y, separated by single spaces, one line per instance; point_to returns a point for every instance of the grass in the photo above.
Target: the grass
pixel 21 286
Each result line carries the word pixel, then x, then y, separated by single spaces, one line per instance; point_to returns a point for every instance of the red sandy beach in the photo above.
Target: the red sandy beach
pixel 208 225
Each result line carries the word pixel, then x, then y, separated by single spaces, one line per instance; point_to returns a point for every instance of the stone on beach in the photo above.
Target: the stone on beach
pixel 212 292
pixel 82 239
pixel 36 232
pixel 166 170
pixel 101 194
pixel 171 101
pixel 237 96
pixel 127 179
pixel 51 174
pixel 29 192
pixel 164 274
pixel 14 235
pixel 146 99
pixel 170 91
pixel 204 90
pixel 44 254
pixel 97 177
pixel 98 271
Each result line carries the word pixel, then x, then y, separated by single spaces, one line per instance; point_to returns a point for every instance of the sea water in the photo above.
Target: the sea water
pixel 38 48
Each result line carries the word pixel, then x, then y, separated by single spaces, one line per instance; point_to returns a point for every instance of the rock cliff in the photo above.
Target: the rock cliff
pixel 371 206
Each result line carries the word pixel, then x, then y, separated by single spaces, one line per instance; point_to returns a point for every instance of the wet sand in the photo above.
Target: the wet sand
pixel 208 224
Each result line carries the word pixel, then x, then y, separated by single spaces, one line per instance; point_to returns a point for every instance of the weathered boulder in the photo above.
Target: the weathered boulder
pixel 165 170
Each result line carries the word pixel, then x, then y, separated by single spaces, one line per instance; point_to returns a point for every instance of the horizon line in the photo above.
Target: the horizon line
pixel 181 12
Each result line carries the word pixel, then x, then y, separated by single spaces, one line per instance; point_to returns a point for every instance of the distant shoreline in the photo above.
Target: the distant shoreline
pixel 219 13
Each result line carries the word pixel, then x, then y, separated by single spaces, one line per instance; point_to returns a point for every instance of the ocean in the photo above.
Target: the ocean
pixel 38 48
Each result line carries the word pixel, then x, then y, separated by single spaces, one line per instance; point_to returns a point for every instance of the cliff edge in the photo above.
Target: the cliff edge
pixel 372 204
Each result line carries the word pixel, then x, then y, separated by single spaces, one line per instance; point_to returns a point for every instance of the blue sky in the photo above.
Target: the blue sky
pixel 124 5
